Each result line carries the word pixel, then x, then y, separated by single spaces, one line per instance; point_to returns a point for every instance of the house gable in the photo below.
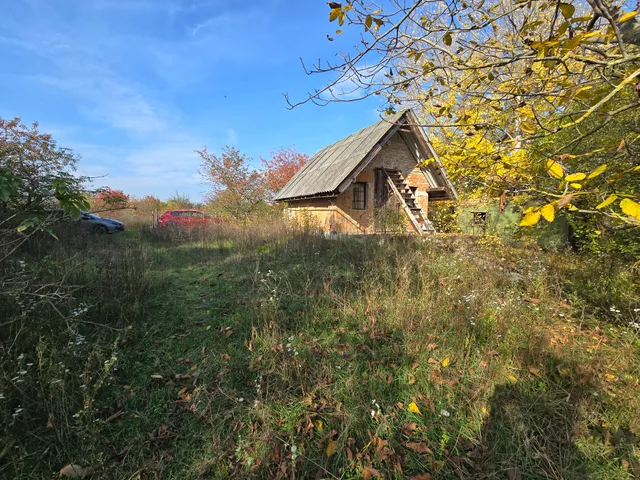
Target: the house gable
pixel 332 170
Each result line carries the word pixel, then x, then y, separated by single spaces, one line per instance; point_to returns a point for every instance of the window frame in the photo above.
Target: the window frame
pixel 355 202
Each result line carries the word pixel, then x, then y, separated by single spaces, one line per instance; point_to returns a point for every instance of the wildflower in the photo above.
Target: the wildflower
pixel 613 309
pixel 444 413
pixel 241 399
pixel 294 452
pixel 21 356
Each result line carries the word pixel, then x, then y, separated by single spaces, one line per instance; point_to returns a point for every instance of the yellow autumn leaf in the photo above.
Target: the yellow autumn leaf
pixel 628 16
pixel 413 408
pixel 319 425
pixel 577 186
pixel 332 446
pixel 528 127
pixel 555 169
pixel 598 171
pixel 610 199
pixel 512 379
pixel 548 212
pixel 631 208
pixel 575 177
pixel 445 362
pixel 609 376
pixel 530 219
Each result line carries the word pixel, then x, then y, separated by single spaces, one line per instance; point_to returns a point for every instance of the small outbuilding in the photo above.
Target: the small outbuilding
pixel 378 179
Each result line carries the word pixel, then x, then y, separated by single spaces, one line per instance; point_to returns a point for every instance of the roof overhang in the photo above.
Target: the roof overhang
pixel 406 125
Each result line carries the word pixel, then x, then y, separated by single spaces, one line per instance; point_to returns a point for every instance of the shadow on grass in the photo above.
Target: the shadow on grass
pixel 534 426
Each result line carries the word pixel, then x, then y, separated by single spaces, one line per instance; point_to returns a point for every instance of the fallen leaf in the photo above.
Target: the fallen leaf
pixel 433 361
pixel 418 447
pixel 73 471
pixel 512 379
pixel 410 428
pixel 368 472
pixel 413 408
pixel 535 371
pixel 535 301
pixel 445 362
pixel 332 446
pixel 411 379
pixel 422 476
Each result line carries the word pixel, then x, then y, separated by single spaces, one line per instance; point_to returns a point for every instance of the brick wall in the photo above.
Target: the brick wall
pixel 337 215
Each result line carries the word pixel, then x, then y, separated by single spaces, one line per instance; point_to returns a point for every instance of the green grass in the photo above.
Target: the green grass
pixel 295 356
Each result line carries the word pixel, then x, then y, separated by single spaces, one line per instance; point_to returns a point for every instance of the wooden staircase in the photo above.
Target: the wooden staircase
pixel 400 189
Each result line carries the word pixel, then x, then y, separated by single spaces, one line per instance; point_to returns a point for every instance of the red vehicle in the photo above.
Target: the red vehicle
pixel 186 218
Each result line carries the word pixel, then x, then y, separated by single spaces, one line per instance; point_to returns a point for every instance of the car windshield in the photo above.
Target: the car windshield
pixel 91 215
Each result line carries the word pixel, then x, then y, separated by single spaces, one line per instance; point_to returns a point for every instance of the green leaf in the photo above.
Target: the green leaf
pixel 28 223
pixel 447 39
pixel 567 10
pixel 610 199
pixel 598 171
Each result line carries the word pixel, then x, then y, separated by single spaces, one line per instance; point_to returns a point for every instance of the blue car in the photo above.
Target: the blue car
pixel 97 224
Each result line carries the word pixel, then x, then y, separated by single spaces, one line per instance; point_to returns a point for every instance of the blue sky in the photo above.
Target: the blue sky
pixel 134 86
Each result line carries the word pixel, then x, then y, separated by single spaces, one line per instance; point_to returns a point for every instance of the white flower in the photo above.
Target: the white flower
pixel 444 413
pixel 241 399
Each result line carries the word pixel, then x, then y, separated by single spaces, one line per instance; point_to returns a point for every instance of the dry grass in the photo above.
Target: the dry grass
pixel 268 352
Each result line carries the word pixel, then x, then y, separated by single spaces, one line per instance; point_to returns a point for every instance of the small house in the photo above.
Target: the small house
pixel 378 179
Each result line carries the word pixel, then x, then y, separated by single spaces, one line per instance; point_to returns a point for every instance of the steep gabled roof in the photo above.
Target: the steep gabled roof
pixel 331 170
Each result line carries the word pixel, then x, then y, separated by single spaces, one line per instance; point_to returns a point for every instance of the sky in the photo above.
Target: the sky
pixel 135 86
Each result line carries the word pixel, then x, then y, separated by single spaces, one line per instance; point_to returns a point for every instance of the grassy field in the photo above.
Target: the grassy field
pixel 269 353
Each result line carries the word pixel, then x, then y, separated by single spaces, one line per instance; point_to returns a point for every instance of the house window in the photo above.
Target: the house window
pixel 360 196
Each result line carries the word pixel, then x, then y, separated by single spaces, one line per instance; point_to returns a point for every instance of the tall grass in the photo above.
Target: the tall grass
pixel 267 351
pixel 67 307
